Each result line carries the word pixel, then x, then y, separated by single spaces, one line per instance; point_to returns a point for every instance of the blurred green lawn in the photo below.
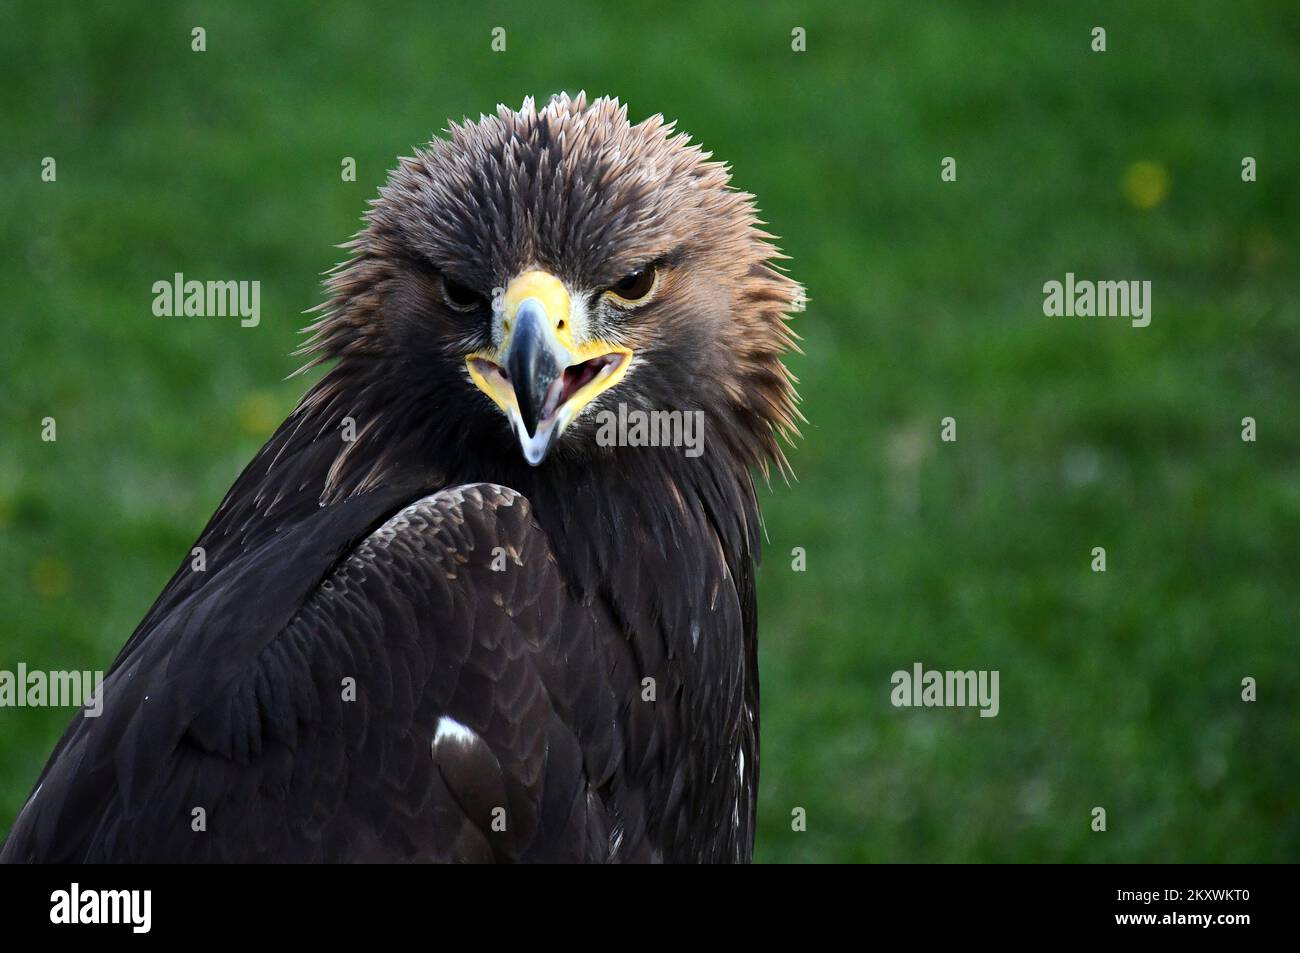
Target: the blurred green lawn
pixel 1119 689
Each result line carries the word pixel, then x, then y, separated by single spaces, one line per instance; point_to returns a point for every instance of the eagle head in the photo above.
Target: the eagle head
pixel 538 265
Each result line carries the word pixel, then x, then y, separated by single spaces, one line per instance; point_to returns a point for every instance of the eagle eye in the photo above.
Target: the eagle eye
pixel 459 297
pixel 635 288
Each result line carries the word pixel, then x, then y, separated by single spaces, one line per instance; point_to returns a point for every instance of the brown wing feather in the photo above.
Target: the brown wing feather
pixel 285 768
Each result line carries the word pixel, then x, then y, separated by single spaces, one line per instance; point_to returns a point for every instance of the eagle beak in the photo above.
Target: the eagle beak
pixel 540 377
pixel 534 360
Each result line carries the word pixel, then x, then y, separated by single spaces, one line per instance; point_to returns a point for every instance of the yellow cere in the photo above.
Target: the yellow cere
pixel 547 289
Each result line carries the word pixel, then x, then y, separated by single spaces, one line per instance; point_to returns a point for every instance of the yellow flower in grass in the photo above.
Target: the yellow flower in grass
pixel 1145 184
pixel 259 414
pixel 50 577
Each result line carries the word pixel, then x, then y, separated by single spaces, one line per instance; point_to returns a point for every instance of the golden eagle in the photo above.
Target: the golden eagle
pixel 441 619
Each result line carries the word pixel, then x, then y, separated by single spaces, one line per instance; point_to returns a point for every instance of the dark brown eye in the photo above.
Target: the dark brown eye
pixel 460 297
pixel 635 288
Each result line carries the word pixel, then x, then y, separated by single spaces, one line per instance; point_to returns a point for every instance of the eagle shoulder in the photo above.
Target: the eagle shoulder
pixel 418 703
pixel 430 667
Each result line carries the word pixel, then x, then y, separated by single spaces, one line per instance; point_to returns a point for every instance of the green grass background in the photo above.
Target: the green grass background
pixel 1119 690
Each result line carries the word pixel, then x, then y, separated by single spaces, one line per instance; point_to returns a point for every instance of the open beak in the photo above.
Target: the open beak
pixel 539 376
